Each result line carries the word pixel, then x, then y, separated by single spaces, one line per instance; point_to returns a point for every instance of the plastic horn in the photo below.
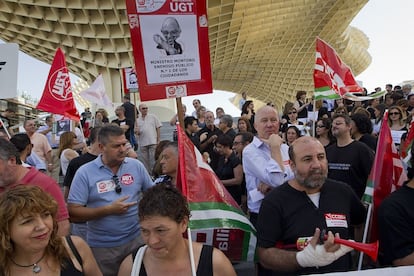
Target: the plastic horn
pixel 371 249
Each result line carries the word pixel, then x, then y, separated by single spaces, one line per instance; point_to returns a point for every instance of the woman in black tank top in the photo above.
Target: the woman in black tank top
pixel 28 229
pixel 164 214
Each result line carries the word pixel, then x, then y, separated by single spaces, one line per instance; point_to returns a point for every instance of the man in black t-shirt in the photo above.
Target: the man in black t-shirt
pixel 131 113
pixel 302 207
pixel 122 121
pixel 349 161
pixel 208 136
pixel 396 227
pixel 191 129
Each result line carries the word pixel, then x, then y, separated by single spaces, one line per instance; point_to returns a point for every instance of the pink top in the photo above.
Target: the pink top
pixel 49 185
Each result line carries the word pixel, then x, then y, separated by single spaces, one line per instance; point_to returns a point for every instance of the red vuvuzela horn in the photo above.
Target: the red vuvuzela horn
pixel 371 249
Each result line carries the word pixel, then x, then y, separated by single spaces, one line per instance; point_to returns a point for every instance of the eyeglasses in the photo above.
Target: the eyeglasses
pixel 395 113
pixel 144 107
pixel 172 33
pixel 320 126
pixel 293 112
pixel 118 188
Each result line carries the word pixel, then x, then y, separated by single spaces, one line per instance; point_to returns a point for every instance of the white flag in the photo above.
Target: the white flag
pixel 96 93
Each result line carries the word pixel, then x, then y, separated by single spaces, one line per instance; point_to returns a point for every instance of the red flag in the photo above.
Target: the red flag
pixel 331 76
pixel 387 173
pixel 216 219
pixel 57 96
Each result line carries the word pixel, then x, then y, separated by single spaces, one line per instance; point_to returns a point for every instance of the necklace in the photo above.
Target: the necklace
pixel 36 268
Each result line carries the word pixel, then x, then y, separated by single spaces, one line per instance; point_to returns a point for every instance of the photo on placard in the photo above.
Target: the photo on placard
pixel 62 126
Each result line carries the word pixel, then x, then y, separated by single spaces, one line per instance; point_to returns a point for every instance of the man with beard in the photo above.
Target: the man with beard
pixel 303 207
pixel 349 161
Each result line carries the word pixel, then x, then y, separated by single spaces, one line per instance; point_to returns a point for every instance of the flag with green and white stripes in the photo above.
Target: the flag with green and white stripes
pixel 216 219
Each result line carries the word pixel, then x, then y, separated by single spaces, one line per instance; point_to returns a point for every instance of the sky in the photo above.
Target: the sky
pixel 388 25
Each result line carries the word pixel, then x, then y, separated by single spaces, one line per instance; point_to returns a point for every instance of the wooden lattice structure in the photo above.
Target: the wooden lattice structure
pixel 263 47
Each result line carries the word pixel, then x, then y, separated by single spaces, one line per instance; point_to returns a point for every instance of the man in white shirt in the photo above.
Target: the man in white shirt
pixel 148 136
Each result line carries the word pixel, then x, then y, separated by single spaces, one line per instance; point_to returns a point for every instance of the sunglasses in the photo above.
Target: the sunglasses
pixel 320 126
pixel 395 113
pixel 293 112
pixel 118 188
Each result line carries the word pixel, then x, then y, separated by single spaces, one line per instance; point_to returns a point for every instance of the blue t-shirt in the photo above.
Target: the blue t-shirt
pixel 93 186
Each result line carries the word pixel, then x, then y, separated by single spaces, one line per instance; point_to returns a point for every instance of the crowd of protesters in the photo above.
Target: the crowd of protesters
pixel 251 156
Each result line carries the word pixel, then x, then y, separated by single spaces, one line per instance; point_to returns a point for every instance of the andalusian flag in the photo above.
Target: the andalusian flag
pixel 332 77
pixel 216 219
pixel 387 173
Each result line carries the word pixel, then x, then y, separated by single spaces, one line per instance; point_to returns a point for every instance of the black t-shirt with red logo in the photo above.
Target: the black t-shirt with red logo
pixel 287 214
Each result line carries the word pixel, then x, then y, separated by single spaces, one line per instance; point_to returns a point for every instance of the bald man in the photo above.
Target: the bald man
pixel 171 30
pixel 305 205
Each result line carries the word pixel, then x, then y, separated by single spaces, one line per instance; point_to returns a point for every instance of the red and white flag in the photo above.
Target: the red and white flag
pixel 216 219
pixel 387 173
pixel 57 97
pixel 96 93
pixel 332 77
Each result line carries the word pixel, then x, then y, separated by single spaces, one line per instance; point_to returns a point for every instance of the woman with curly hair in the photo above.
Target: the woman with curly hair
pixel 164 216
pixel 29 241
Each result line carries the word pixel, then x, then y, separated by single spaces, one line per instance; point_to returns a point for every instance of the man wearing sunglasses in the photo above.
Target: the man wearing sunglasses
pixel 349 161
pixel 105 193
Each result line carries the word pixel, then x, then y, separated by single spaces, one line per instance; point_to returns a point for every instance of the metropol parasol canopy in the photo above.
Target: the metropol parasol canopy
pixel 263 47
